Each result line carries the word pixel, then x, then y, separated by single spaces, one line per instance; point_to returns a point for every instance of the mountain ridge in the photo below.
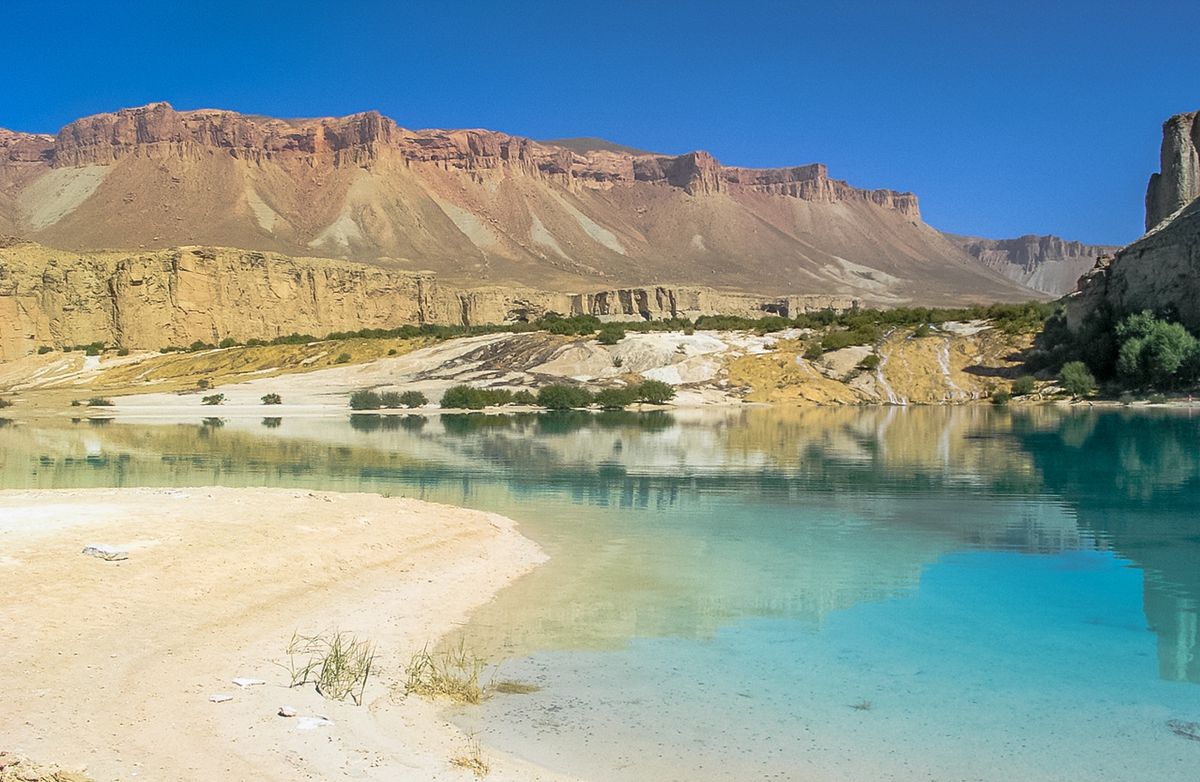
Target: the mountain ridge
pixel 475 207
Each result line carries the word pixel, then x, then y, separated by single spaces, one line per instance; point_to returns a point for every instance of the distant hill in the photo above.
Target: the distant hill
pixel 1045 263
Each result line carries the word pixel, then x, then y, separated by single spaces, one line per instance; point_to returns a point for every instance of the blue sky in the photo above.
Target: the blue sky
pixel 1005 118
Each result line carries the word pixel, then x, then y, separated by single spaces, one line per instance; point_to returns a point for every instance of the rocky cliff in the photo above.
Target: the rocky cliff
pixel 1160 271
pixel 476 207
pixel 1048 264
pixel 1178 183
pixel 174 297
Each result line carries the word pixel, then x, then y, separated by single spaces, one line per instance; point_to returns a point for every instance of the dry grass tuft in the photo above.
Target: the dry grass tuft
pixel 452 674
pixel 473 760
pixel 339 664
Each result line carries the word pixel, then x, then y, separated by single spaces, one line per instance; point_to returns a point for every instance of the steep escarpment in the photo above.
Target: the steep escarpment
pixel 475 207
pixel 1178 182
pixel 1160 271
pixel 177 296
pixel 1048 264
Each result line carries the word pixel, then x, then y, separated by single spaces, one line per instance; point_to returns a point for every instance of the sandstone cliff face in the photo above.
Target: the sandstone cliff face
pixel 478 208
pixel 1046 263
pixel 175 297
pixel 1178 183
pixel 1160 271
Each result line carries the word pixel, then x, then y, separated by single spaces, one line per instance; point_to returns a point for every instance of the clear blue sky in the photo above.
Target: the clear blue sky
pixel 1005 117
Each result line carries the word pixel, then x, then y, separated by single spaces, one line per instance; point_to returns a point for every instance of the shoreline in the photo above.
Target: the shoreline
pixel 111 664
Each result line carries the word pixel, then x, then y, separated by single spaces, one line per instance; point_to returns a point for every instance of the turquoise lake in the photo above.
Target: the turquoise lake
pixel 787 594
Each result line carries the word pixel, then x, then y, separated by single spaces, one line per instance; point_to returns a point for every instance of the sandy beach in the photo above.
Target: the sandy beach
pixel 110 666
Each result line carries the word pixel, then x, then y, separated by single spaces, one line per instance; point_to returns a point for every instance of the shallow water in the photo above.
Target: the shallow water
pixel 881 593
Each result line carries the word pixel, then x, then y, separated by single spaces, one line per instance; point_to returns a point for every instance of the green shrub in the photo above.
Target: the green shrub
pixel 213 399
pixel 1001 398
pixel 44 349
pixel 272 399
pixel 228 342
pixel 1157 399
pixel 870 363
pixel 560 396
pixel 389 400
pixel 655 392
pixel 524 397
pixel 616 398
pixel 91 350
pixel 100 401
pixel 343 358
pixel 200 345
pixel 1153 351
pixel 1077 379
pixel 365 399
pixel 203 383
pixel 5 402
pixel 1126 399
pixel 122 351
pixel 391 351
pixel 465 397
pixel 923 330
pixel 1024 385
pixel 611 334
pixel 411 399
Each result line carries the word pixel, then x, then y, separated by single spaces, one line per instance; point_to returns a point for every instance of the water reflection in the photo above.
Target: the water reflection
pixel 676 524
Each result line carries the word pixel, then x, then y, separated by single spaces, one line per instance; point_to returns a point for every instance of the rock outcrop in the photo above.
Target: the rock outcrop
pixel 479 208
pixel 1048 264
pixel 1160 271
pixel 1178 183
pixel 177 296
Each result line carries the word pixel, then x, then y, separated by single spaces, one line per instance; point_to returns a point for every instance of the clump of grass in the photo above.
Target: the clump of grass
pixel 213 399
pixel 452 674
pixel 272 399
pixel 100 401
pixel 343 358
pixel 472 760
pixel 862 706
pixel 338 664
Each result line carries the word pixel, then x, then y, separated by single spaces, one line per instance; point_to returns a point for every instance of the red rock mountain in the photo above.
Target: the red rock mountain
pixel 475 207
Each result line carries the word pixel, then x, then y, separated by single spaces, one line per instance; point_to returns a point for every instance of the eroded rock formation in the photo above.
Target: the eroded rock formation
pixel 177 296
pixel 1160 271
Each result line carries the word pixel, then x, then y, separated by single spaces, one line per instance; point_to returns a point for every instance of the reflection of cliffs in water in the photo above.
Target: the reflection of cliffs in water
pixel 1135 483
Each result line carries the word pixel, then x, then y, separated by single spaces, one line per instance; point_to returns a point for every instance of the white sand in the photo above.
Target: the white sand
pixel 110 666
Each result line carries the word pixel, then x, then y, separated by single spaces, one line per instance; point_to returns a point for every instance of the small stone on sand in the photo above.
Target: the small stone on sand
pixel 107 553
pixel 220 697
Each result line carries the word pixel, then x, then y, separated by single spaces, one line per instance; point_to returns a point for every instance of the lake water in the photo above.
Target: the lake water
pixel 806 594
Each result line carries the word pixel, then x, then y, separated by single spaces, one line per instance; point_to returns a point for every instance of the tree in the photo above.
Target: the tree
pixel 1154 352
pixel 1077 379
